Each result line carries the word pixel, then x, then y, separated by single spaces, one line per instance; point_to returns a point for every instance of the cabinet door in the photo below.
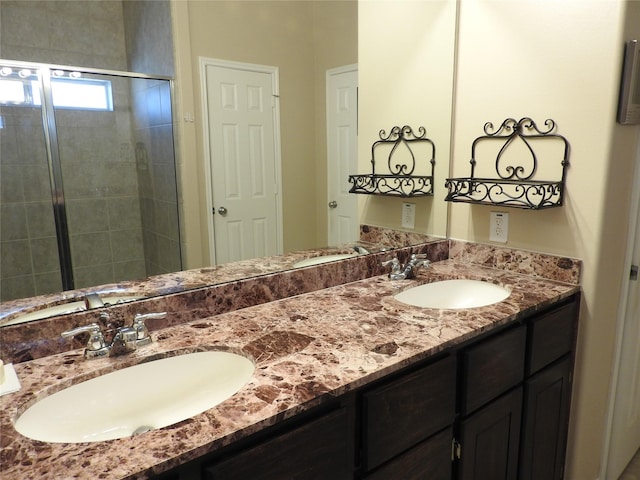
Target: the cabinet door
pixel 316 450
pixel 545 423
pixel 493 366
pixel 407 410
pixel 490 440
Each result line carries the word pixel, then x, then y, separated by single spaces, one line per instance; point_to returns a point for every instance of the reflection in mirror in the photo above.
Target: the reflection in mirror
pixel 137 36
pixel 103 144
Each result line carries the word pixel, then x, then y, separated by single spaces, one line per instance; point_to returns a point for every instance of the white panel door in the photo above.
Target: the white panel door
pixel 242 155
pixel 625 427
pixel 342 154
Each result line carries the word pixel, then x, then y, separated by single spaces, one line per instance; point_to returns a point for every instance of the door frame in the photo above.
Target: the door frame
pixel 204 62
pixel 621 319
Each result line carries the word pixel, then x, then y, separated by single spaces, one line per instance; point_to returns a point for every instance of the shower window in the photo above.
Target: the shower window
pixel 72 93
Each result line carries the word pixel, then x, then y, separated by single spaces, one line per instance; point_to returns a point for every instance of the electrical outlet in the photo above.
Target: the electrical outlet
pixel 408 215
pixel 499 227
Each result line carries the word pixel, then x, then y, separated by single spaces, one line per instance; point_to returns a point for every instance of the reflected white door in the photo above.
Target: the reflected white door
pixel 625 433
pixel 243 145
pixel 342 153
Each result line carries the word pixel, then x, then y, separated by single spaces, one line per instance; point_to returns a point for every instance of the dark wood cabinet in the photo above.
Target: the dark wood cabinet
pixel 551 335
pixel 316 450
pixel 523 433
pixel 492 366
pixel 403 412
pixel 489 440
pixel 545 422
pixel 430 459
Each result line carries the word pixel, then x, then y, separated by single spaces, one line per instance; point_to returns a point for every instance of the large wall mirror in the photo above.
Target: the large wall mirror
pixel 404 52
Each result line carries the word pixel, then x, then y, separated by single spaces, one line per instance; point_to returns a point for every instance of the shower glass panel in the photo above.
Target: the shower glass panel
pixel 28 248
pixel 113 178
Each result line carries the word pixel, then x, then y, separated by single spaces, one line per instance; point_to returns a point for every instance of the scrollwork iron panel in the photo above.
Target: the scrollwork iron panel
pixel 399 179
pixel 515 184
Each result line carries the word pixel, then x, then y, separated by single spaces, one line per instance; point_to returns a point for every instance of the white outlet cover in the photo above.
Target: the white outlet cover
pixel 408 215
pixel 499 227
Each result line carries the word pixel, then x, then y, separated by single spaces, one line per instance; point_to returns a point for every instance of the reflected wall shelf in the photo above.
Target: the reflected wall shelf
pixel 515 184
pixel 399 179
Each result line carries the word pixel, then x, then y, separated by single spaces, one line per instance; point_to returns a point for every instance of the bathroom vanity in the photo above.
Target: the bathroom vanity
pixel 493 407
pixel 349 383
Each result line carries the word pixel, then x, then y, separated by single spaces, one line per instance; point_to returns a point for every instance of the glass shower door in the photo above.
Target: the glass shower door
pixel 118 170
pixel 28 248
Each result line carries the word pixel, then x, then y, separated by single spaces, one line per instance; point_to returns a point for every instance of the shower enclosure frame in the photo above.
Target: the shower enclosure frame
pixel 53 153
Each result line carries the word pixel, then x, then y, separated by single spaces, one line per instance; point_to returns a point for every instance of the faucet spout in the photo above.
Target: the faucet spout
pixel 93 300
pixel 124 341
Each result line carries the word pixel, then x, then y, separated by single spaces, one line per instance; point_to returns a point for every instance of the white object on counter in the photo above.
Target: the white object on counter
pixel 9 382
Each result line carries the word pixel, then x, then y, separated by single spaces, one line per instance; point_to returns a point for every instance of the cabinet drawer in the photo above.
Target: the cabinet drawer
pixel 430 459
pixel 316 450
pixel 551 336
pixel 492 367
pixel 406 411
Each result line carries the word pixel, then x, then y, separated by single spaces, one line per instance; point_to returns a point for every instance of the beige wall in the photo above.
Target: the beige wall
pixel 559 60
pixel 291 36
pixel 406 58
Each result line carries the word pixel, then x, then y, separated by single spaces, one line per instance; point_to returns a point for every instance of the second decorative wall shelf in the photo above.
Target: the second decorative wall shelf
pixel 515 183
pixel 400 179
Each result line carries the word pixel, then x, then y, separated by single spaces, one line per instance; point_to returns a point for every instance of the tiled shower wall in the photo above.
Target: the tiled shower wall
pixel 156 176
pixel 150 49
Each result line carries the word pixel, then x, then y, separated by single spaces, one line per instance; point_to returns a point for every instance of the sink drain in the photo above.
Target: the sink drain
pixel 142 429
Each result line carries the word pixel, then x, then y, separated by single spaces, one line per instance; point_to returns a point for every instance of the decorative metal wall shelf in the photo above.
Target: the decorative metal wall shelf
pixel 515 184
pixel 399 179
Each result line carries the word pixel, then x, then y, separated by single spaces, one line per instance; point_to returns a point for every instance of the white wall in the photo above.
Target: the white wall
pixel 560 60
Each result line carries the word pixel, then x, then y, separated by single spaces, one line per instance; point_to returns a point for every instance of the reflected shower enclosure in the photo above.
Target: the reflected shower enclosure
pixel 88 191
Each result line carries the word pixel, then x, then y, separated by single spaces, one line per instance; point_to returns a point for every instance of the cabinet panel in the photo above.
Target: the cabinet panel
pixel 317 450
pixel 545 423
pixel 405 411
pixel 552 336
pixel 490 439
pixel 492 367
pixel 430 459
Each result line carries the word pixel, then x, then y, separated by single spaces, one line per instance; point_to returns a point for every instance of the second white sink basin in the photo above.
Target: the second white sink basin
pixel 308 262
pixel 69 307
pixel 136 399
pixel 454 294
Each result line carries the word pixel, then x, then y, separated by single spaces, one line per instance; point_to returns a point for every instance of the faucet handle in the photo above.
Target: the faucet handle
pixel 394 262
pixel 396 267
pixel 143 337
pixel 96 346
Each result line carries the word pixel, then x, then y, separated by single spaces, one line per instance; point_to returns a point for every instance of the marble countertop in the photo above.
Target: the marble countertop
pixel 306 348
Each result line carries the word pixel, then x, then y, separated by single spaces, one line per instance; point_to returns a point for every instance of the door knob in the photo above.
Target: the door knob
pixel 333 204
pixel 222 211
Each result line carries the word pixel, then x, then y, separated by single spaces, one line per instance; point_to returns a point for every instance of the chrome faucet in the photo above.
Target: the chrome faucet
pixel 400 272
pixel 93 300
pixel 126 339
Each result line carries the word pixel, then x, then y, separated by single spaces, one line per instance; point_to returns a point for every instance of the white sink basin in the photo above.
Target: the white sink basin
pixel 308 262
pixel 136 399
pixel 453 294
